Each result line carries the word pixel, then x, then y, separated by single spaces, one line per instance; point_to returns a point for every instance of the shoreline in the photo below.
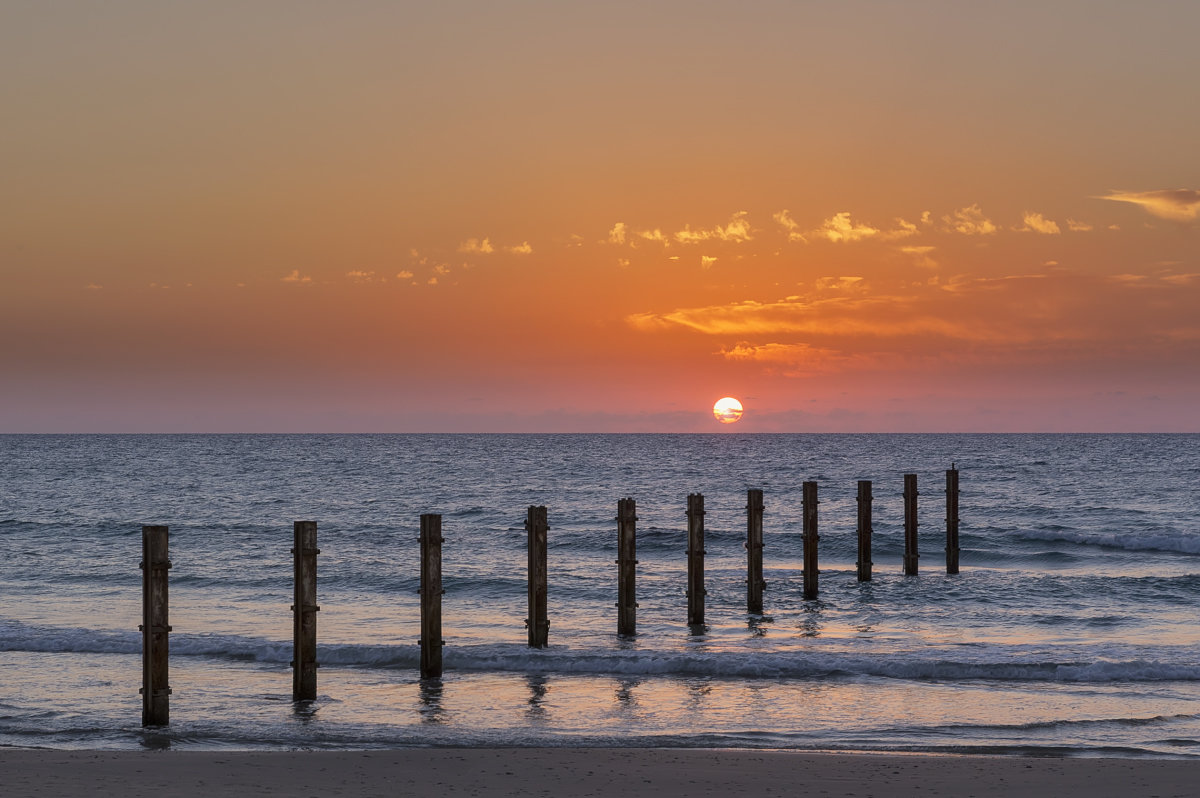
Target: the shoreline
pixel 569 772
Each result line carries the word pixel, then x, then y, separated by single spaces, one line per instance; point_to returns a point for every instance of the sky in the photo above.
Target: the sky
pixel 599 217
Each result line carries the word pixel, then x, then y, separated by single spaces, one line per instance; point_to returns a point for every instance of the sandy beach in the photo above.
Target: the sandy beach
pixel 582 772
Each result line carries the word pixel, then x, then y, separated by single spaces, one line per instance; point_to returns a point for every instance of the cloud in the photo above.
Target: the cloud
pixel 94 287
pixel 920 256
pixel 1129 279
pixel 970 221
pixel 1078 227
pixel 841 228
pixel 840 283
pixel 520 249
pixel 617 234
pixel 476 246
pixel 1181 279
pixel 404 275
pixel 790 225
pixel 1036 223
pixel 840 316
pixel 903 229
pixel 296 277
pixel 796 359
pixel 1179 205
pixel 360 276
pixel 652 235
pixel 706 262
pixel 737 231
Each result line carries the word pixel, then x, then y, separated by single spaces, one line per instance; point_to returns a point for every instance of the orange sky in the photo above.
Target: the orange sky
pixel 380 216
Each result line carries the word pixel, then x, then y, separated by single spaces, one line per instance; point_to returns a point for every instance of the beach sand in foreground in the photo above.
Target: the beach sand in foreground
pixel 568 772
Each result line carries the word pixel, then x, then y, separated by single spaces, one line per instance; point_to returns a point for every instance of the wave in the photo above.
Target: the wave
pixel 612 662
pixel 1174 542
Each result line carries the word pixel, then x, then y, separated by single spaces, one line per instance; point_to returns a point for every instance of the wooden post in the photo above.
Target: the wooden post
pixel 952 520
pixel 537 623
pixel 626 567
pixel 864 530
pixel 695 552
pixel 304 612
pixel 754 550
pixel 810 541
pixel 910 525
pixel 431 596
pixel 156 690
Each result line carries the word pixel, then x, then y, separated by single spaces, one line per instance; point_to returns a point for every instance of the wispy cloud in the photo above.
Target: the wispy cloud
pixel 520 249
pixel 617 234
pixel 706 262
pixel 296 277
pixel 404 275
pixel 1078 227
pixel 737 231
pixel 790 226
pixel 1180 204
pixel 888 316
pixel 903 229
pixel 841 229
pixel 1036 223
pixel 474 245
pixel 969 221
pixel 921 256
pixel 790 359
pixel 652 235
pixel 360 276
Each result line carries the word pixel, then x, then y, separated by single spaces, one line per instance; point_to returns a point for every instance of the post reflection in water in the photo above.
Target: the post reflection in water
pixel 626 699
pixel 431 701
pixel 304 711
pixel 698 691
pixel 757 624
pixel 811 623
pixel 537 695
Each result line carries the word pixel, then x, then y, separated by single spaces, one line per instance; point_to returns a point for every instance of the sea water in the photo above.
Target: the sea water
pixel 1072 627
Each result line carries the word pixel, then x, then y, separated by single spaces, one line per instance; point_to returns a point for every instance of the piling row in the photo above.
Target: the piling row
pixel 155 564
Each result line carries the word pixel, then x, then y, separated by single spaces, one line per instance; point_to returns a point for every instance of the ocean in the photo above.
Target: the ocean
pixel 1071 630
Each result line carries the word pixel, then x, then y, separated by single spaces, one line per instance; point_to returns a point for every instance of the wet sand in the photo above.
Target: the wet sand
pixel 569 772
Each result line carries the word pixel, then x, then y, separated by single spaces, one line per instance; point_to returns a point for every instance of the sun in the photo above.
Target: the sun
pixel 727 410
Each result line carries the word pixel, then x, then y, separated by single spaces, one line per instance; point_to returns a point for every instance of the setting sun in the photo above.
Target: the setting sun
pixel 727 410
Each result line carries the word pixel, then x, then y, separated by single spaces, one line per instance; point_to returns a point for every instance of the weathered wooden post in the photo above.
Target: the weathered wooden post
pixel 864 530
pixel 304 612
pixel 695 552
pixel 537 623
pixel 156 689
pixel 952 520
pixel 810 540
pixel 431 596
pixel 754 551
pixel 626 567
pixel 910 525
